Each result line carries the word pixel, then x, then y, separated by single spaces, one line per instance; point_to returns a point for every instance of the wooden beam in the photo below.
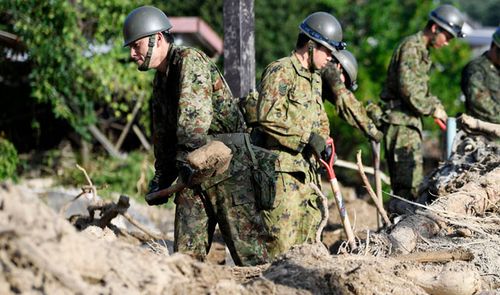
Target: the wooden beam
pixel 239 48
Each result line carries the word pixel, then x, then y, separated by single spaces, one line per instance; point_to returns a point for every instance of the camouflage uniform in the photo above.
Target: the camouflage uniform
pixel 192 104
pixel 407 98
pixel 289 109
pixel 481 86
pixel 348 107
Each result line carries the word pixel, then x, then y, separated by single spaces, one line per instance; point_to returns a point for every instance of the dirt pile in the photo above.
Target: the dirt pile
pixel 451 246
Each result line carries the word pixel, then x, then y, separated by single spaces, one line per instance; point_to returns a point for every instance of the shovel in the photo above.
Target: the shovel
pixel 332 178
pixel 376 174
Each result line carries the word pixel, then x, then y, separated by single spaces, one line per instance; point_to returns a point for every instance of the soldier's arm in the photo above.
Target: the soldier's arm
pixel 474 88
pixel 353 112
pixel 347 106
pixel 413 82
pixel 195 111
pixel 273 114
pixel 164 148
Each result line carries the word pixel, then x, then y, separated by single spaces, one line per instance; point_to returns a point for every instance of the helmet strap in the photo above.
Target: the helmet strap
pixel 145 65
pixel 311 46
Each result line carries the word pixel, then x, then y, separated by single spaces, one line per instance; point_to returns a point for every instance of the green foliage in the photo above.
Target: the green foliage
pixel 8 159
pixel 78 62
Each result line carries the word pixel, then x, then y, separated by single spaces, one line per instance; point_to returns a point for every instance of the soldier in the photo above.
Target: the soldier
pixel 339 78
pixel 481 84
pixel 292 121
pixel 191 105
pixel 407 98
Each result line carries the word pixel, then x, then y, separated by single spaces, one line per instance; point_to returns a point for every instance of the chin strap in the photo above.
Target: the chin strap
pixel 311 46
pixel 145 65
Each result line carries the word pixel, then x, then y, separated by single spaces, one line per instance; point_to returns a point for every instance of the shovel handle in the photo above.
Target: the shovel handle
pixel 161 196
pixel 441 124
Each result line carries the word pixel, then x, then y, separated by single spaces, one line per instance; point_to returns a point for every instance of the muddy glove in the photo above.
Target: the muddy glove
pixel 186 174
pixel 317 144
pixel 440 113
pixel 332 75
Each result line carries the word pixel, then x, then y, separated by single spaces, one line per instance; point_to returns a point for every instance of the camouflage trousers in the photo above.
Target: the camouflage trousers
pixel 230 204
pixel 296 215
pixel 403 151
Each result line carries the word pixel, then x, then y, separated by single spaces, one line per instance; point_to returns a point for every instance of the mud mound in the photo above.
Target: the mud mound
pixel 40 252
pixel 473 155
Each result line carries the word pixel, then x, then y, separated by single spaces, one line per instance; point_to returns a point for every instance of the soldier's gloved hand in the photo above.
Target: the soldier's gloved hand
pixel 440 113
pixel 327 154
pixel 317 144
pixel 377 137
pixel 154 184
pixel 332 75
pixel 186 174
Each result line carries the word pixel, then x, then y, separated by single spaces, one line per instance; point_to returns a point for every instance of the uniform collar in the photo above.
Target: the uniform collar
pixel 299 67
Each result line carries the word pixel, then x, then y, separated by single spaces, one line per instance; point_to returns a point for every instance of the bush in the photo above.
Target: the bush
pixel 8 159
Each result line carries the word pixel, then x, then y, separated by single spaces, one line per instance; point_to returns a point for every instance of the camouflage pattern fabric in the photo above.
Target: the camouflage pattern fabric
pixel 347 106
pixel 191 102
pixel 289 109
pixel 407 90
pixel 481 86
pixel 230 202
pixel 404 158
pixel 296 215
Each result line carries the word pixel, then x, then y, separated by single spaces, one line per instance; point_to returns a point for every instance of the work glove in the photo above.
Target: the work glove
pixel 327 153
pixel 186 174
pixel 440 113
pixel 377 137
pixel 375 112
pixel 332 75
pixel 317 144
pixel 154 184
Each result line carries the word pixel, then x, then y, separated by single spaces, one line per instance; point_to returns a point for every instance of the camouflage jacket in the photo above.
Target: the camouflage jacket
pixel 406 87
pixel 481 86
pixel 348 107
pixel 190 101
pixel 289 108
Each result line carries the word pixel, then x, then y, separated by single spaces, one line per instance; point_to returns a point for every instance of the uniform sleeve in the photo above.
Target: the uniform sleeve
pixel 475 90
pixel 164 151
pixel 413 81
pixel 352 111
pixel 195 104
pixel 273 109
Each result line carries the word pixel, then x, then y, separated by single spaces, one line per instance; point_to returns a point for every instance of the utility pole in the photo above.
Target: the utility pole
pixel 239 47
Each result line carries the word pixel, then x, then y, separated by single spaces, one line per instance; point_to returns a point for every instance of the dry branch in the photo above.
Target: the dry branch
pixel 375 199
pixel 474 198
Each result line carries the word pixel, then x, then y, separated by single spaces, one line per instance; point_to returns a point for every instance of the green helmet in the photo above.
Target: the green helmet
pixel 144 21
pixel 325 29
pixel 449 18
pixel 350 66
pixel 496 37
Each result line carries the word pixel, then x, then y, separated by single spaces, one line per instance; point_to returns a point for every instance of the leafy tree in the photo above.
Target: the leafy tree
pixel 78 61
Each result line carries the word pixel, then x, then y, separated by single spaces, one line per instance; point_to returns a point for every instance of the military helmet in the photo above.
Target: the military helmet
pixel 449 18
pixel 496 37
pixel 325 29
pixel 349 64
pixel 144 21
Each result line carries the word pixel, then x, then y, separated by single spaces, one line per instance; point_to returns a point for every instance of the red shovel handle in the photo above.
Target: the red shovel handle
pixel 441 124
pixel 329 165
